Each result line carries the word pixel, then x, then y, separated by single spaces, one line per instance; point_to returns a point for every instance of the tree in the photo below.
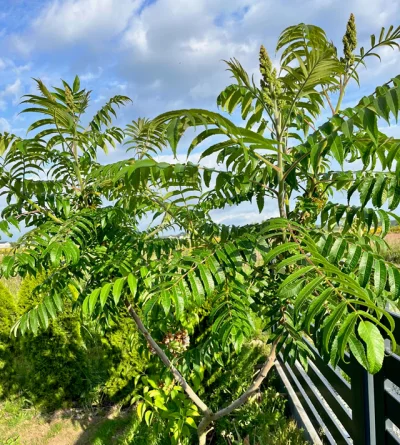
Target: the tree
pixel 293 275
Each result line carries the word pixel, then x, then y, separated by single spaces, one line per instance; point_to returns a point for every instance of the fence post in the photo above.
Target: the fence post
pixel 379 398
pixel 363 410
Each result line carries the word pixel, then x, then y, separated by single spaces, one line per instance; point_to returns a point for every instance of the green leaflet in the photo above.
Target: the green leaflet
pixel 133 283
pixel 260 201
pixel 48 302
pixel 342 338
pixel 365 269
pixel 44 319
pixel 173 134
pixel 117 289
pixel 366 190
pixel 33 320
pixel 337 250
pixel 385 222
pixel 294 276
pixel 370 122
pixel 375 343
pixel 315 306
pixel 330 323
pixel 55 254
pixel 197 288
pixel 337 150
pixel 394 282
pixel 215 269
pixel 206 279
pixel 394 193
pixel 179 302
pixel 380 276
pixel 165 301
pixel 149 305
pixel 94 296
pixel 358 350
pixel 378 191
pixel 306 292
pixel 289 261
pixel 105 290
pixel 279 250
pixel 57 301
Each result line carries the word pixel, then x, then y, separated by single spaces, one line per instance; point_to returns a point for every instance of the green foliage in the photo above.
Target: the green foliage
pixel 51 366
pixel 263 421
pixel 70 363
pixel 8 314
pixel 202 296
pixel 115 357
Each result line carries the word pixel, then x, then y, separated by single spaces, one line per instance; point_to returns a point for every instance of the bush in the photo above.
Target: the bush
pixel 68 364
pixel 122 343
pixel 51 367
pixel 114 362
pixel 8 311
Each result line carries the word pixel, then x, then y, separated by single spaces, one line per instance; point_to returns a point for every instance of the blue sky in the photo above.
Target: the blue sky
pixel 165 54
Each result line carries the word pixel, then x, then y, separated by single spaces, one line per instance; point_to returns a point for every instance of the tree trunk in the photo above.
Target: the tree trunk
pixel 203 429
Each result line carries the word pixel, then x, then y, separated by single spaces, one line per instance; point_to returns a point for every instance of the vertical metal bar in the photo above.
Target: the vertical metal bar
pixel 379 398
pixel 363 413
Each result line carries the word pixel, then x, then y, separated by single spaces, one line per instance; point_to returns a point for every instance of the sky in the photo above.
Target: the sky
pixel 166 54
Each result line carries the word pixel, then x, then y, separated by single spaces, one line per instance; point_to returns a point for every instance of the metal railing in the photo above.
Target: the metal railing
pixel 347 405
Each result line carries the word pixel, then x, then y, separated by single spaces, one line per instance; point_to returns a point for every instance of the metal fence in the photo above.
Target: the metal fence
pixel 347 405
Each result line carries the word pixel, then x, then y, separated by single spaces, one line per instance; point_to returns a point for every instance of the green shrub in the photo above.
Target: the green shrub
pixel 51 367
pixel 122 344
pixel 8 312
pixel 262 421
pixel 113 361
pixel 68 364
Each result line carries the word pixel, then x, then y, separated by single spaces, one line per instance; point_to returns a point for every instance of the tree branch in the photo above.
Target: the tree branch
pixel 208 418
pixel 253 387
pixel 161 354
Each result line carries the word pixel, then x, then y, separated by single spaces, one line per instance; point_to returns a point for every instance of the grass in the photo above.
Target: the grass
pixel 25 426
pixel 393 254
pixel 15 412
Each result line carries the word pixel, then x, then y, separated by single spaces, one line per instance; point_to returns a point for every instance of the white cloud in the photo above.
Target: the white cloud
pixel 91 76
pixel 168 55
pixel 22 68
pixel 136 35
pixel 66 22
pixel 4 125
pixel 13 90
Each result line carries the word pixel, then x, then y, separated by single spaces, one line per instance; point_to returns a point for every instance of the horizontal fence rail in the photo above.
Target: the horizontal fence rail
pixel 346 405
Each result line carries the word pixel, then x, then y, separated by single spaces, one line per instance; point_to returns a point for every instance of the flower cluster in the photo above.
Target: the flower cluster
pixel 270 84
pixel 350 40
pixel 177 342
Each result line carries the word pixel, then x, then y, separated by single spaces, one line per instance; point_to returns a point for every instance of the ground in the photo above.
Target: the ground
pixel 26 426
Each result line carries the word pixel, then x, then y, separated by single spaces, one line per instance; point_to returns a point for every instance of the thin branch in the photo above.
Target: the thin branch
pixel 294 165
pixel 329 101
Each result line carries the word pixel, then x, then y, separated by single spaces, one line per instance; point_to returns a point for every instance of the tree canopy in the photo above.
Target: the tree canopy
pixel 315 271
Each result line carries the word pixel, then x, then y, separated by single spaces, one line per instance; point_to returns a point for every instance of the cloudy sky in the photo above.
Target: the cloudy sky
pixel 165 54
